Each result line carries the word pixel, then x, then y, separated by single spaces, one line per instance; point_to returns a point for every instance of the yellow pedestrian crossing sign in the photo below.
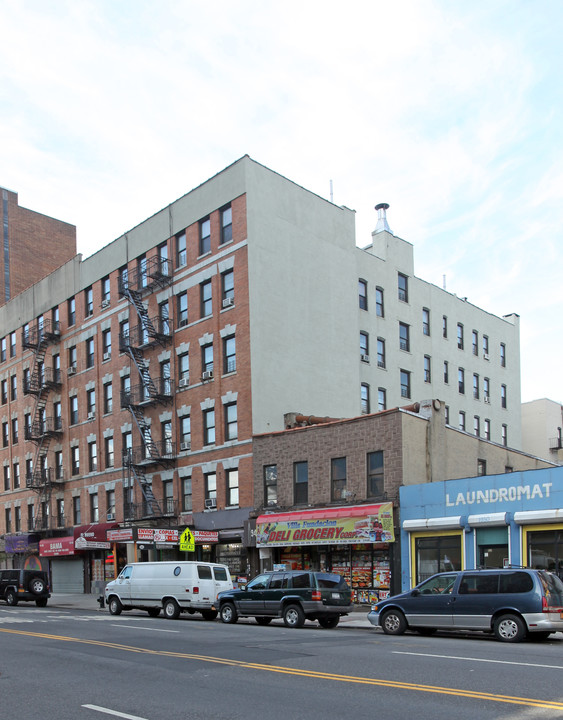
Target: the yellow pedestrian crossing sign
pixel 187 542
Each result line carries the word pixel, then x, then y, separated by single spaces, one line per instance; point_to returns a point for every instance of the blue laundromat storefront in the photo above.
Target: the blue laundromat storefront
pixel 489 521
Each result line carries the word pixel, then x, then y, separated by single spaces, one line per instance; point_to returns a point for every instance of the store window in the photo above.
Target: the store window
pixel 436 554
pixel 545 549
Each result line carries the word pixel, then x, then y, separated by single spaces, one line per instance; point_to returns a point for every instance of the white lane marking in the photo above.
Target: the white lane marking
pixel 140 627
pixel 107 711
pixel 484 660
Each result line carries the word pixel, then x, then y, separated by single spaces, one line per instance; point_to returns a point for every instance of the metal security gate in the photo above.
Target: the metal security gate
pixel 67 575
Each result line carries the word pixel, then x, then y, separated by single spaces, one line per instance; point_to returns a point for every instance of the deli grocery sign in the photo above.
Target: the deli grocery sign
pixel 334 526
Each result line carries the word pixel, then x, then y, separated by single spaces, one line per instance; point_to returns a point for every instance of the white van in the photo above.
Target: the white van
pixel 174 587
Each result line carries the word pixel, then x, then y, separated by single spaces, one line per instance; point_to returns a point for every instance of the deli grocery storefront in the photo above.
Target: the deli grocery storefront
pixel 355 541
pixel 489 521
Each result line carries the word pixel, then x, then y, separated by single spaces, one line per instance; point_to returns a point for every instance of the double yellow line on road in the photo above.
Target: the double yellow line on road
pixel 416 687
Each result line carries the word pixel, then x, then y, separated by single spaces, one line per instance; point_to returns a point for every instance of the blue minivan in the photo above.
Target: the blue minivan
pixel 511 603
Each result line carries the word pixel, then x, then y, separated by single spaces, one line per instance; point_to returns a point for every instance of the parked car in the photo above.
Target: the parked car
pixel 511 603
pixel 294 595
pixel 24 585
pixel 175 587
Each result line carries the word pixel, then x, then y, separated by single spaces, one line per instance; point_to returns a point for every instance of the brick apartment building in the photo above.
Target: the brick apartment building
pixel 27 234
pixel 133 381
pixel 327 491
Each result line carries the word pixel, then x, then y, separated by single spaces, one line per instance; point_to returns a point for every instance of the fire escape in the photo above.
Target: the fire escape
pixel 149 332
pixel 42 429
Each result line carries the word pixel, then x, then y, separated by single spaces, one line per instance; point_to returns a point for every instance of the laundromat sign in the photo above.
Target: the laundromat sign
pixel 371 524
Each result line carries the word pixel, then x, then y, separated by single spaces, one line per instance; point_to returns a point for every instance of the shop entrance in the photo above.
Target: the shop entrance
pixel 493 556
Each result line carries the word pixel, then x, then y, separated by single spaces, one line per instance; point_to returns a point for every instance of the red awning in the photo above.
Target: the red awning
pixel 347 511
pixel 53 547
pixel 96 532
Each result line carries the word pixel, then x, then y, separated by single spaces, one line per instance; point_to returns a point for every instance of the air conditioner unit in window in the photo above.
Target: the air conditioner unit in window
pixel 110 516
pixel 228 302
pixel 105 304
pixel 486 356
pixel 71 370
pixel 107 356
pixel 207 375
pixel 183 382
pixel 183 322
pixel 91 415
pixel 364 358
pixel 210 503
pixel 487 400
pixel 185 445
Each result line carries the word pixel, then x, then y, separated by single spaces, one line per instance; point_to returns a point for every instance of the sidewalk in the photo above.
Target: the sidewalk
pixel 356 619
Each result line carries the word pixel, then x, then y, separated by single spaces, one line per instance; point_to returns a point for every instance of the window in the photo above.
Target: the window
pixel 4 391
pixel 229 354
pixel 6 477
pixel 204 236
pixel 76 515
pixel 232 488
pixel 18 518
pixel 364 347
pixel 209 427
pixel 57 368
pixel 168 496
pixel 270 485
pixel 503 396
pixel 404 340
pixel 210 486
pixel 502 355
pixel 184 369
pixel 228 288
pixel 8 516
pixel 446 372
pixel 90 353
pixel 59 472
pixel 476 386
pixel 185 433
pixel 206 298
pixel 461 380
pixel 425 321
pixel 126 445
pixel 187 494
pixel 481 467
pixel 75 460
pixel 27 426
pixel 364 398
pixel 461 420
pixel 405 384
pixel 486 390
pixel 447 414
pixel 92 456
pixel 3 349
pixel 338 478
pixel 88 302
pixel 444 326
pixel 109 457
pixel 181 255
pixel 486 347
pixel 226 224
pixel 164 318
pixel 300 483
pixel 71 309
pixel 125 391
pixel 427 369
pixel 487 429
pixel 475 342
pixel 15 433
pixel 231 426
pixel 381 399
pixel 13 344
pixel 375 474
pixel 105 290
pixel 110 501
pixel 477 426
pixel 207 358
pixel 29 470
pixel 94 511
pixel 108 398
pixel 142 271
pixel 380 352
pixel 5 434
pixel 460 336
pixel 13 387
pixel 182 305
pixel 403 287
pixel 379 306
pixel 106 344
pixel 73 405
pixel 91 403
pixel 16 475
pixel 363 294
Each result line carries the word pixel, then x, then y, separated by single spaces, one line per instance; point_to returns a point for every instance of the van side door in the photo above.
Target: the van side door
pixel 476 600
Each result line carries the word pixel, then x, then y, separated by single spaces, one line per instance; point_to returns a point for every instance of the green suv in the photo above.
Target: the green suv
pixel 294 595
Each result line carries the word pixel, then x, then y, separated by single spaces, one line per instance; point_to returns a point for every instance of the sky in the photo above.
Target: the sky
pixel 449 111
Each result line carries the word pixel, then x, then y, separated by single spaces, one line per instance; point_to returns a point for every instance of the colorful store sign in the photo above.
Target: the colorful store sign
pixel 205 536
pixel 329 526
pixel 21 543
pixel 56 547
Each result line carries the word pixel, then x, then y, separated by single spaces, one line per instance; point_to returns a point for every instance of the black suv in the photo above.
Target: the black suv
pixel 16 585
pixel 294 595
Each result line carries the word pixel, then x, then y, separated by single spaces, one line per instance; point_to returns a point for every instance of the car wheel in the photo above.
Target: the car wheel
pixel 393 622
pixel 509 628
pixel 115 607
pixel 37 586
pixel 329 622
pixel 228 613
pixel 171 610
pixel 293 616
pixel 153 612
pixel 41 602
pixel 209 614
pixel 11 597
pixel 263 620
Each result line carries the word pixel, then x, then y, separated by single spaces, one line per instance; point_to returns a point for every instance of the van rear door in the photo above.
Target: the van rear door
pixel 222 579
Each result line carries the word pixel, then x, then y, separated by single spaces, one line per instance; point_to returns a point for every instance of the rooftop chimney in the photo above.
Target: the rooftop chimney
pixel 382 223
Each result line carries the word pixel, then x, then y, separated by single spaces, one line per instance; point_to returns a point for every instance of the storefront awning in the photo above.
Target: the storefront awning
pixel 55 547
pixel 327 526
pixel 93 536
pixel 443 523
